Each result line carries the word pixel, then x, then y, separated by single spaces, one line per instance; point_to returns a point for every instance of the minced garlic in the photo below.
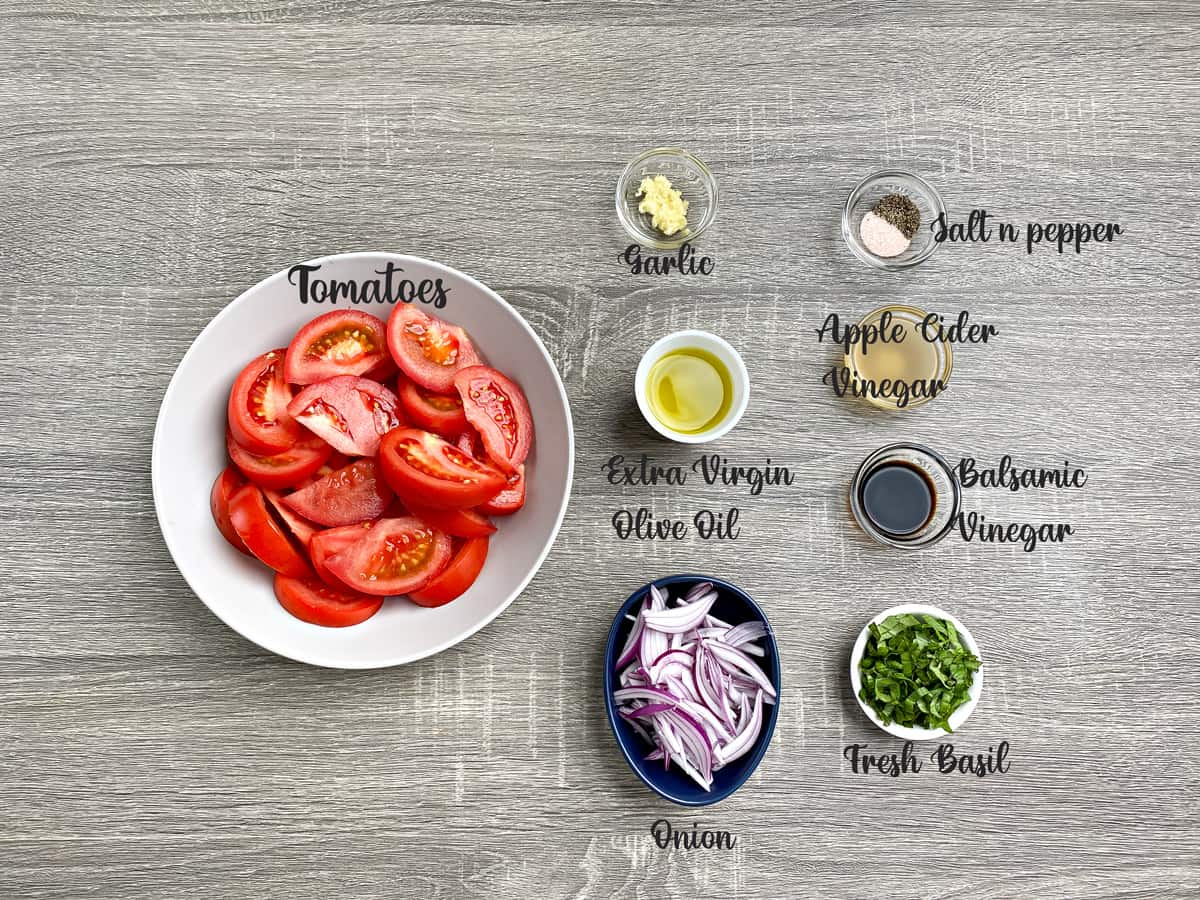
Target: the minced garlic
pixel 664 204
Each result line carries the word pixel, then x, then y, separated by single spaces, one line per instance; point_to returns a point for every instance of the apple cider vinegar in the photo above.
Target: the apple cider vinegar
pixel 901 368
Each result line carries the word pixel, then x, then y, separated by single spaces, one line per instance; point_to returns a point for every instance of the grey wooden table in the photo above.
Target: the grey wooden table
pixel 158 157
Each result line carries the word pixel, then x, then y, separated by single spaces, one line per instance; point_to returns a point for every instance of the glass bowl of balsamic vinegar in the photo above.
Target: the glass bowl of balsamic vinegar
pixel 905 495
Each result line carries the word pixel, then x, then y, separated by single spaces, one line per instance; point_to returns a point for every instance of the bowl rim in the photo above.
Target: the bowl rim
pixel 160 486
pixel 868 527
pixel 879 262
pixel 754 759
pixel 674 242
pixel 959 717
pixel 740 375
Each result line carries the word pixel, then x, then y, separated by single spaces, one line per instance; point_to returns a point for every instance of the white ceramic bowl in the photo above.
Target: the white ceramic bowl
pixel 718 347
pixel 959 716
pixel 189 452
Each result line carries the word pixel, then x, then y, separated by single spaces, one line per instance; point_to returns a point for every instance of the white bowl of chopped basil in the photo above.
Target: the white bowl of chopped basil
pixel 916 672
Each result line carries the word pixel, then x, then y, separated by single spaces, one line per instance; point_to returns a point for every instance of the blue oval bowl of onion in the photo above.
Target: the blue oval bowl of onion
pixel 691 686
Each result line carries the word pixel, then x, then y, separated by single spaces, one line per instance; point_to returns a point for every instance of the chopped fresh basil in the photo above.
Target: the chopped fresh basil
pixel 916 671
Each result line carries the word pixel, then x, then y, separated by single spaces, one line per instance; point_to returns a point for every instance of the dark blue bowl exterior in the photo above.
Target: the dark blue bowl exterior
pixel 734 606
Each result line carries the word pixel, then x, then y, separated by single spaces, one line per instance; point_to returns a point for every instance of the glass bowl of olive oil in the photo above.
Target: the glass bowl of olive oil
pixel 692 386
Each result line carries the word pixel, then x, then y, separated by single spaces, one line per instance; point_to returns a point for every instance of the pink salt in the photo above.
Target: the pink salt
pixel 881 237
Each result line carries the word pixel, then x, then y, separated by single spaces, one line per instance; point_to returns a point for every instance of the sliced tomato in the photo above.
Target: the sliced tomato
pixel 384 371
pixel 264 537
pixel 351 494
pixel 398 509
pixel 468 442
pixel 332 464
pixel 223 488
pixel 440 413
pixel 423 468
pixel 280 470
pixel 342 342
pixel 463 523
pixel 313 601
pixel 509 500
pixel 301 529
pixel 497 409
pixel 348 412
pixel 394 557
pixel 428 350
pixel 331 542
pixel 459 575
pixel 258 406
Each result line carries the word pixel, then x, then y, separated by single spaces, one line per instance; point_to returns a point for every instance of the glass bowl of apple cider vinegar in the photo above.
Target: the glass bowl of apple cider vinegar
pixel 900 369
pixel 692 386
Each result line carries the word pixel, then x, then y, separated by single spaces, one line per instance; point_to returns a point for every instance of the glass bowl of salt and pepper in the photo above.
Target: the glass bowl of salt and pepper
pixel 886 219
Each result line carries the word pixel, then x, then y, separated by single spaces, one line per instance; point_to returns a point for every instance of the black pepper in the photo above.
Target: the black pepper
pixel 898 210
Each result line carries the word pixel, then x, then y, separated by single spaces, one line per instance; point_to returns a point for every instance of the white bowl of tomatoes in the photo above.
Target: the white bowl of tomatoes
pixel 362 460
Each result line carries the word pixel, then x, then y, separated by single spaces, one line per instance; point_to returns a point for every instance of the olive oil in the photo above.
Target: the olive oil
pixel 689 390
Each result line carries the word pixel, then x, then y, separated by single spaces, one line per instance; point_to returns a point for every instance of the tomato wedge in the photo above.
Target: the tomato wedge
pixel 440 413
pixel 223 488
pixel 459 575
pixel 348 412
pixel 423 468
pixel 428 350
pixel 263 535
pixel 342 342
pixel 463 523
pixel 468 442
pixel 394 557
pixel 332 464
pixel 301 529
pixel 498 410
pixel 281 470
pixel 385 370
pixel 351 494
pixel 509 500
pixel 331 542
pixel 258 406
pixel 313 601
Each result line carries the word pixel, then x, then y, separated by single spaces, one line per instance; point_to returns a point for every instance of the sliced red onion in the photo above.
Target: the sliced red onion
pixel 638 727
pixel 707 719
pixel 748 686
pixel 653 694
pixel 681 687
pixel 734 659
pixel 658 600
pixel 741 744
pixel 741 634
pixel 654 644
pixel 687 685
pixel 679 662
pixel 681 618
pixel 671 740
pixel 633 644
pixel 702 679
pixel 650 709
pixel 690 733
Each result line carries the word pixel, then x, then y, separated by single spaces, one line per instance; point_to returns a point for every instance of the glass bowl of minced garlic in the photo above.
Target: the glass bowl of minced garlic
pixel 666 197
pixel 886 219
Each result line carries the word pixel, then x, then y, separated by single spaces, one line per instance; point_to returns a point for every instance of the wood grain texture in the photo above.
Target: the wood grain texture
pixel 153 167
pixel 640 13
